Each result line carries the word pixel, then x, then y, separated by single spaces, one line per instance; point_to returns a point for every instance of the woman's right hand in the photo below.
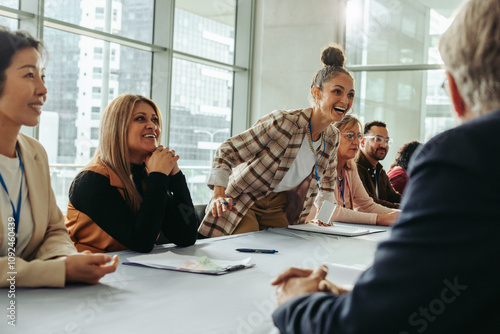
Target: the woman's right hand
pixel 388 218
pixel 162 160
pixel 220 203
pixel 89 268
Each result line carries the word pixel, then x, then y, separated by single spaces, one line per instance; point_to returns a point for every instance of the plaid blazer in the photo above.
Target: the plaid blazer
pixel 250 165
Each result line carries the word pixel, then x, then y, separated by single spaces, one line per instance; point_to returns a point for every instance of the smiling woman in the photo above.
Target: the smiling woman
pixel 143 132
pixel 27 75
pixel 35 250
pixel 132 194
pixel 270 175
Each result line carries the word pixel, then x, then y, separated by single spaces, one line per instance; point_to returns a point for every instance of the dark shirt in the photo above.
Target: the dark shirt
pixel 387 196
pixel 439 270
pixel 166 207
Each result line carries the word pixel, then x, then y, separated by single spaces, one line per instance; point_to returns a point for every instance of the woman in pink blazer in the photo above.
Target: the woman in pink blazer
pixel 353 205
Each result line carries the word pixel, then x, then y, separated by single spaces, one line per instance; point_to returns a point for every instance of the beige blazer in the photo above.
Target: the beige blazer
pixel 36 267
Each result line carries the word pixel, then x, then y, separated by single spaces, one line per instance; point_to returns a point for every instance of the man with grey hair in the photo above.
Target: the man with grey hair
pixel 439 270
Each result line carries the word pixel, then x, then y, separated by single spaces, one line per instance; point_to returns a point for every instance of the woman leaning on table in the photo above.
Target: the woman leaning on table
pixel 274 171
pixel 354 205
pixel 133 189
pixel 42 255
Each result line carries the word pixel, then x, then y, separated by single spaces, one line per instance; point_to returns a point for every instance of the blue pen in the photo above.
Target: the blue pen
pixel 253 250
pixel 226 203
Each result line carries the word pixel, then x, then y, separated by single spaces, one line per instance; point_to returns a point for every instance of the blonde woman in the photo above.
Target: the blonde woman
pixel 35 250
pixel 132 190
pixel 354 205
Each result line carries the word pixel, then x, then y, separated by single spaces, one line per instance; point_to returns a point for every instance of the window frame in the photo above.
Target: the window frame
pixel 31 18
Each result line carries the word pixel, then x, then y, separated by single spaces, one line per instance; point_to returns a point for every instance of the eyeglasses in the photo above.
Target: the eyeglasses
pixel 351 135
pixel 380 140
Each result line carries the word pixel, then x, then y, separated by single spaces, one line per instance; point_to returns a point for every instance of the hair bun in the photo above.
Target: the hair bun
pixel 333 55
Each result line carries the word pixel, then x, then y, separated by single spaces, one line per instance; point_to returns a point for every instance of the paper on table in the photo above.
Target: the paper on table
pixel 343 276
pixel 188 263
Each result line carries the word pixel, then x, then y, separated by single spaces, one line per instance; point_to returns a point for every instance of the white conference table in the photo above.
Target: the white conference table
pixel 145 300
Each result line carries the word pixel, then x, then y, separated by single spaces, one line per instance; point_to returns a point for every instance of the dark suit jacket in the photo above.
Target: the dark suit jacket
pixel 440 270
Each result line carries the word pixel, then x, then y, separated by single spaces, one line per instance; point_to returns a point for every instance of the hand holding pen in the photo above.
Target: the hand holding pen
pixel 221 203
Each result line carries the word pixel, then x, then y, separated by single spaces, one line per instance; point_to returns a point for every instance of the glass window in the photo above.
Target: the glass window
pixel 94 133
pixel 127 18
pixel 12 24
pixel 10 3
pixel 395 32
pixel 95 113
pixel 99 13
pixel 74 98
pixel 206 28
pixel 85 73
pixel 96 92
pixel 97 73
pixel 412 103
pixel 97 53
pixel 200 120
pixel 400 33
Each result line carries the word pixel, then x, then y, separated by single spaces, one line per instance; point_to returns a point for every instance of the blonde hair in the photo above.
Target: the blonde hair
pixel 470 49
pixel 113 144
pixel 346 122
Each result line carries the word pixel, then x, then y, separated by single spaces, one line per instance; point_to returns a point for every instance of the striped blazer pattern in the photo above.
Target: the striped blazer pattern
pixel 250 165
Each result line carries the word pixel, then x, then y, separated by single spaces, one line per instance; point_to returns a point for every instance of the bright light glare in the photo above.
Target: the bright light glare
pixel 354 12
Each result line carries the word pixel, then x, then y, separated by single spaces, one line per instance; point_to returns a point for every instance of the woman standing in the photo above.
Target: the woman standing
pixel 132 190
pixel 34 242
pixel 270 175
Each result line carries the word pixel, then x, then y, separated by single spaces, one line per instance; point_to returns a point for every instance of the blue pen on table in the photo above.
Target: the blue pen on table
pixel 254 250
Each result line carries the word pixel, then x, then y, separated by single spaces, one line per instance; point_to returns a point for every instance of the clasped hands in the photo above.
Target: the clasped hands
pixel 163 160
pixel 295 282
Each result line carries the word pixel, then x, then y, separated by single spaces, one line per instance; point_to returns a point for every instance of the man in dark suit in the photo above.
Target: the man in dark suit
pixel 439 271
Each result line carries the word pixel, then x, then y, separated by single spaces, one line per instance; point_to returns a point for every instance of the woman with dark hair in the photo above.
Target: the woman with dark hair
pixel 133 190
pixel 34 243
pixel 270 175
pixel 397 173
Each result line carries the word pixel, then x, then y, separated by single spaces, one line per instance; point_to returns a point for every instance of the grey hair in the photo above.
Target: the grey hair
pixel 470 49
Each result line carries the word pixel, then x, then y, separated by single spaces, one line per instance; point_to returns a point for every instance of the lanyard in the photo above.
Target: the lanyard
pixel 15 213
pixel 317 161
pixel 342 188
pixel 376 181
